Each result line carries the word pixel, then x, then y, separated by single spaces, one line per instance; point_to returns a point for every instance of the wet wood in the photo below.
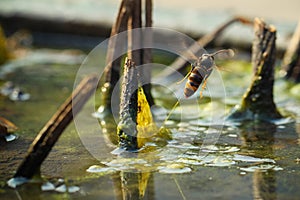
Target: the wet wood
pixel 129 17
pixel 147 54
pixel 136 41
pixel 258 102
pixel 127 130
pixel 6 127
pixel 291 60
pixel 115 45
pixel 50 133
pixel 180 63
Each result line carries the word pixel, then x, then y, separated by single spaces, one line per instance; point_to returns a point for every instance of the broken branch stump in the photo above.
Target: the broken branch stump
pixel 49 134
pixel 257 102
pixel 127 130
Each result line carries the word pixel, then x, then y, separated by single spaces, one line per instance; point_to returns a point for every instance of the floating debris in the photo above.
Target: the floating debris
pixel 243 173
pixel 10 137
pixel 6 127
pixel 62 188
pixel 48 186
pixel 14 182
pixel 243 158
pixel 174 169
pixel 19 95
pixel 13 92
pixel 262 168
pixel 184 146
pixel 221 161
pixel 100 169
pixel 7 88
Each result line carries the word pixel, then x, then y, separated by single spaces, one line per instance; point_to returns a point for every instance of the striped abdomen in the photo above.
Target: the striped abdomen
pixel 194 81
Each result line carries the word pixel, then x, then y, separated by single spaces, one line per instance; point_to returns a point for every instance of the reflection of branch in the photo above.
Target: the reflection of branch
pixel 50 133
pixel 264 185
pixel 179 188
pixel 137 185
pixel 204 41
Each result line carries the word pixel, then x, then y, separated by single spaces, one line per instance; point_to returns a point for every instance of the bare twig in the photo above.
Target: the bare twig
pixel 49 134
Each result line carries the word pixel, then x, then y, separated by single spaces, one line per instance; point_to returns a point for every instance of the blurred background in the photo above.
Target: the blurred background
pixel 94 18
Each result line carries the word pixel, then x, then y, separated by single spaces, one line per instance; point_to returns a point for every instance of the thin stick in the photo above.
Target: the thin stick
pixel 179 188
pixel 49 134
pixel 170 113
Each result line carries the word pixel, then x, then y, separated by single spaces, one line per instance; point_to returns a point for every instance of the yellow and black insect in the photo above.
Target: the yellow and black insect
pixel 200 71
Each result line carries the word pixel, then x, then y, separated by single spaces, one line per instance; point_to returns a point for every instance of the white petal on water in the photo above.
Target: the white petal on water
pixel 243 173
pixel 62 188
pixel 243 158
pixel 232 135
pixel 14 182
pixel 169 123
pixel 230 149
pixel 99 169
pixel 47 186
pixel 209 148
pixel 190 161
pixel 174 169
pixel 10 137
pixel 118 151
pixel 221 161
pixel 197 129
pixel 262 168
pixel 72 189
pixel 183 124
pixel 183 146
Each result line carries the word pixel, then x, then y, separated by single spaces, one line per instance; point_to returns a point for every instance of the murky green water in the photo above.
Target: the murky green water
pixel 248 161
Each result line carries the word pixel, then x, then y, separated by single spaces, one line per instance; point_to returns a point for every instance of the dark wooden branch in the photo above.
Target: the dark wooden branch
pixel 147 54
pixel 136 41
pixel 291 60
pixel 180 63
pixel 257 102
pixel 113 62
pixel 127 130
pixel 48 136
